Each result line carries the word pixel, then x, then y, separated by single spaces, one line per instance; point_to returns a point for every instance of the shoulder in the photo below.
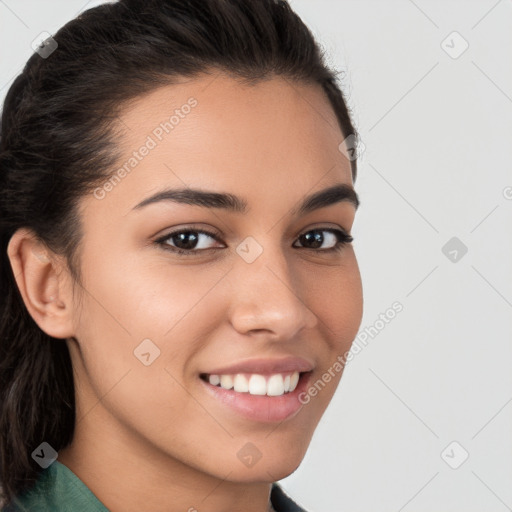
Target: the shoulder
pixel 57 488
pixel 282 502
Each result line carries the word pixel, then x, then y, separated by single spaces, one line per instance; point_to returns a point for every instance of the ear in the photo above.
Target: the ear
pixel 44 283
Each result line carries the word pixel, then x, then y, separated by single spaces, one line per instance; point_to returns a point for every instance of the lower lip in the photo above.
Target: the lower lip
pixel 261 408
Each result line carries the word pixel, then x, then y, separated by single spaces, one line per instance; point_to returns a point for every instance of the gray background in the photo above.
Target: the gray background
pixel 436 164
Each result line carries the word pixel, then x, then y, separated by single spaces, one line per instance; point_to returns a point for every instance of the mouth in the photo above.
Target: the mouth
pixel 277 384
pixel 260 397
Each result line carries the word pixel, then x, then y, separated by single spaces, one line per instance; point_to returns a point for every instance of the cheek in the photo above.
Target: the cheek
pixel 134 309
pixel 335 296
pixel 150 298
pixel 338 302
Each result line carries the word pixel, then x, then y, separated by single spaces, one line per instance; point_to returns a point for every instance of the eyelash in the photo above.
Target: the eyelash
pixel 342 240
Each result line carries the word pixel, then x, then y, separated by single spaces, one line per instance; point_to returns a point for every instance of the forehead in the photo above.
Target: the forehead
pixel 271 138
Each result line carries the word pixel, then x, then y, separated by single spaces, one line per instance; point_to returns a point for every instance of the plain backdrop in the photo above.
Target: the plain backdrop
pixel 422 419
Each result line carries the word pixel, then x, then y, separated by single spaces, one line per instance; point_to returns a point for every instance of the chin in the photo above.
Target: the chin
pixel 269 468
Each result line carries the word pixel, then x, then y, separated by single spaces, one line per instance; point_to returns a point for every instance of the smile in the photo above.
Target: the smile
pixel 272 397
pixel 276 384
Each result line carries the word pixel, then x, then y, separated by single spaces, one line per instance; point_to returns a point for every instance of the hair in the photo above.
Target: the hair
pixel 58 142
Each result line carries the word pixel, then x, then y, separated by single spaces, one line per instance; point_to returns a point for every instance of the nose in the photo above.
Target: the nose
pixel 268 297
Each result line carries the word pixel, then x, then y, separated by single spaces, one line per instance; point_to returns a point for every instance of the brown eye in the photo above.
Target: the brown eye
pixel 315 239
pixel 188 241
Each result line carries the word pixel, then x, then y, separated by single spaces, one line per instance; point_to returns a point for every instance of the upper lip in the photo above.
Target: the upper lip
pixel 265 366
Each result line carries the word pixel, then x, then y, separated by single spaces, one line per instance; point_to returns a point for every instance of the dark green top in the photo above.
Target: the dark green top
pixel 58 489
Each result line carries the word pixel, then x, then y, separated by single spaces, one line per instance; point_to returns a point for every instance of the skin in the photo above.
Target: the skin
pixel 149 437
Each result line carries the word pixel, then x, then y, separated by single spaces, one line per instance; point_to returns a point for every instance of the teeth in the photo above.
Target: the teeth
pixel 241 384
pixel 255 384
pixel 294 379
pixel 226 381
pixel 214 380
pixel 275 385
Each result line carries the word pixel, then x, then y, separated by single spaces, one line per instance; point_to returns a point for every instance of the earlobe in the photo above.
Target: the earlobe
pixel 42 282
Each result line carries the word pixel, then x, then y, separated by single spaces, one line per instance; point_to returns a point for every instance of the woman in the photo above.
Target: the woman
pixel 177 269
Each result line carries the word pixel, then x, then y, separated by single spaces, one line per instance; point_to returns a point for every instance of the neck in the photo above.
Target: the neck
pixel 128 475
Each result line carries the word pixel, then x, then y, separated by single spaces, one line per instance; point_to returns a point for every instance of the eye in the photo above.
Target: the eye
pixel 188 241
pixel 315 239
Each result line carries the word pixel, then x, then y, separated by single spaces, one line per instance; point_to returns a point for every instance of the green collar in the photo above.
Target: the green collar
pixel 58 489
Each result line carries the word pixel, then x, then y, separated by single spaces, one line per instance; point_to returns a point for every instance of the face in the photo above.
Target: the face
pixel 251 289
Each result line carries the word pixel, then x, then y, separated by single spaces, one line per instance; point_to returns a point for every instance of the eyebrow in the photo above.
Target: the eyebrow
pixel 209 199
